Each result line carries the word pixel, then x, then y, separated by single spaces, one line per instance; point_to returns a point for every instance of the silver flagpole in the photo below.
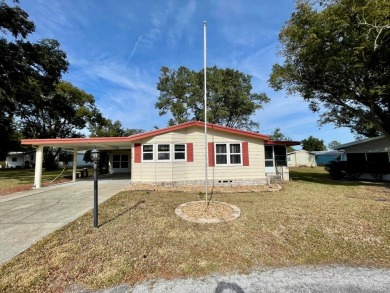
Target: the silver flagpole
pixel 205 116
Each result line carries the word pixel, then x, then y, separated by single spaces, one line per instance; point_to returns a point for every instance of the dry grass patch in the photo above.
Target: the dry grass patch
pixel 14 180
pixel 141 238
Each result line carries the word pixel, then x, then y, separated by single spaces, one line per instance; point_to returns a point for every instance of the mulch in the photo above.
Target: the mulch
pixel 214 210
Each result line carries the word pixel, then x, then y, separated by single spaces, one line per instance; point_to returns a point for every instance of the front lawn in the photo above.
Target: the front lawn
pixel 309 222
pixel 12 180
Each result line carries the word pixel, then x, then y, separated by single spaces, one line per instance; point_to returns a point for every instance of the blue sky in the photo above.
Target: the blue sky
pixel 117 47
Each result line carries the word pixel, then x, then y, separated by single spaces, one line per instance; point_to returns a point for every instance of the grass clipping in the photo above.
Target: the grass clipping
pixel 140 238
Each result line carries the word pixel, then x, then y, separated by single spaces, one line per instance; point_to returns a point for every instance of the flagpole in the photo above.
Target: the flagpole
pixel 205 114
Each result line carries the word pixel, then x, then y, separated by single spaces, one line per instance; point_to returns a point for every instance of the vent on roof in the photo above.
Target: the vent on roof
pixel 225 181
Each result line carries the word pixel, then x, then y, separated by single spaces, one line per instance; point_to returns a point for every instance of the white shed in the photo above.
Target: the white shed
pixel 301 158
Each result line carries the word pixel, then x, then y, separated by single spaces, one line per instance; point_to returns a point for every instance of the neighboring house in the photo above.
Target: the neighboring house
pixel 66 158
pixel 20 159
pixel 301 158
pixel 27 159
pixel 324 157
pixel 368 156
pixel 176 155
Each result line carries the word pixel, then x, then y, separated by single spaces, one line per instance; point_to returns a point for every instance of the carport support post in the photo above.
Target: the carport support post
pixel 38 167
pixel 74 164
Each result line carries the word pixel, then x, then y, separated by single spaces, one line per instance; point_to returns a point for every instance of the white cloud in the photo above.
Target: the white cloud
pixel 182 18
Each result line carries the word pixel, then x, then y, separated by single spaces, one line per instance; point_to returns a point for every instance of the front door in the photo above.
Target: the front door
pixel 269 159
pixel 275 158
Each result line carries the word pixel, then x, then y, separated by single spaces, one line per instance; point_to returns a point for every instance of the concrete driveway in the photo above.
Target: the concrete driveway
pixel 28 216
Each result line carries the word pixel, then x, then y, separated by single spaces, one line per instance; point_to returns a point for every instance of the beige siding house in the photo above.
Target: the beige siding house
pixel 301 158
pixel 177 155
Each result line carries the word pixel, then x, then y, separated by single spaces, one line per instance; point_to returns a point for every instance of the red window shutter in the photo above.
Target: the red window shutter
pixel 245 154
pixel 137 153
pixel 190 152
pixel 211 154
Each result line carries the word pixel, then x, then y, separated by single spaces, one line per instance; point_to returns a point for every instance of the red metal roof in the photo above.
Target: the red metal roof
pixel 135 137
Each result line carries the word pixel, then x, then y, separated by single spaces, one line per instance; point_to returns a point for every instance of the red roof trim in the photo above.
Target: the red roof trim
pixel 135 137
pixel 50 141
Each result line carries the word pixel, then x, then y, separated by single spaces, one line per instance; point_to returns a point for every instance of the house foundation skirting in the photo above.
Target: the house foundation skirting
pixel 221 182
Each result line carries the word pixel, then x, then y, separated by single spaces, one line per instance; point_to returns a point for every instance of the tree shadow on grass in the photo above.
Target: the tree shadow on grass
pixel 228 287
pixel 324 178
pixel 122 213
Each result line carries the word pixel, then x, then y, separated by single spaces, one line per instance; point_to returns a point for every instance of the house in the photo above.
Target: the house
pixel 20 159
pixel 368 157
pixel 27 159
pixel 301 158
pixel 178 155
pixel 324 157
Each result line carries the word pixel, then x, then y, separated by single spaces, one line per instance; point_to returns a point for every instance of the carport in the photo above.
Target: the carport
pixel 75 144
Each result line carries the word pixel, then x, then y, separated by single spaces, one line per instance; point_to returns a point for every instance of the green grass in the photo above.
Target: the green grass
pixel 309 222
pixel 319 175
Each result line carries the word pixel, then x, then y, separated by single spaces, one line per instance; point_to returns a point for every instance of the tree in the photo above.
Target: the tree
pixel 21 64
pixel 112 129
pixel 337 56
pixel 278 135
pixel 10 137
pixel 230 100
pixel 313 144
pixel 63 113
pixel 333 145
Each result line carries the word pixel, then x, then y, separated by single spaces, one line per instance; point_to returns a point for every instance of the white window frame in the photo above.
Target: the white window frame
pixel 179 152
pixel 152 152
pixel 155 153
pixel 164 152
pixel 228 153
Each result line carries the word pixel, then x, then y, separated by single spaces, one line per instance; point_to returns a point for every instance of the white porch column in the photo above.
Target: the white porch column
pixel 74 164
pixel 38 167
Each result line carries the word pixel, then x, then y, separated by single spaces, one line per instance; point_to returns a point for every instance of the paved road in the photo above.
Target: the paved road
pixel 28 216
pixel 335 279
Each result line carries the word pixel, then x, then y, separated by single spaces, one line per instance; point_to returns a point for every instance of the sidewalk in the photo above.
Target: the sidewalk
pixel 28 216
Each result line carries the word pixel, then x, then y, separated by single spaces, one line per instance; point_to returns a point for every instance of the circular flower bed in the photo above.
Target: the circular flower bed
pixel 216 212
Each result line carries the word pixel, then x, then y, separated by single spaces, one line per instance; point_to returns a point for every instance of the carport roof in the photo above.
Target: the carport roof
pixel 106 143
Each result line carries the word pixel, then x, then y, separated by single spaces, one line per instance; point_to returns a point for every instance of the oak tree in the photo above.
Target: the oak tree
pixel 313 144
pixel 22 62
pixel 337 57
pixel 112 129
pixel 230 100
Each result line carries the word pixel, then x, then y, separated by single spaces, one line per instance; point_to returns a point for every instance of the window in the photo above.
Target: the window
pixel 269 156
pixel 180 152
pixel 228 154
pixel 163 152
pixel 147 152
pixel 14 159
pixel 235 153
pixel 221 154
pixel 120 161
